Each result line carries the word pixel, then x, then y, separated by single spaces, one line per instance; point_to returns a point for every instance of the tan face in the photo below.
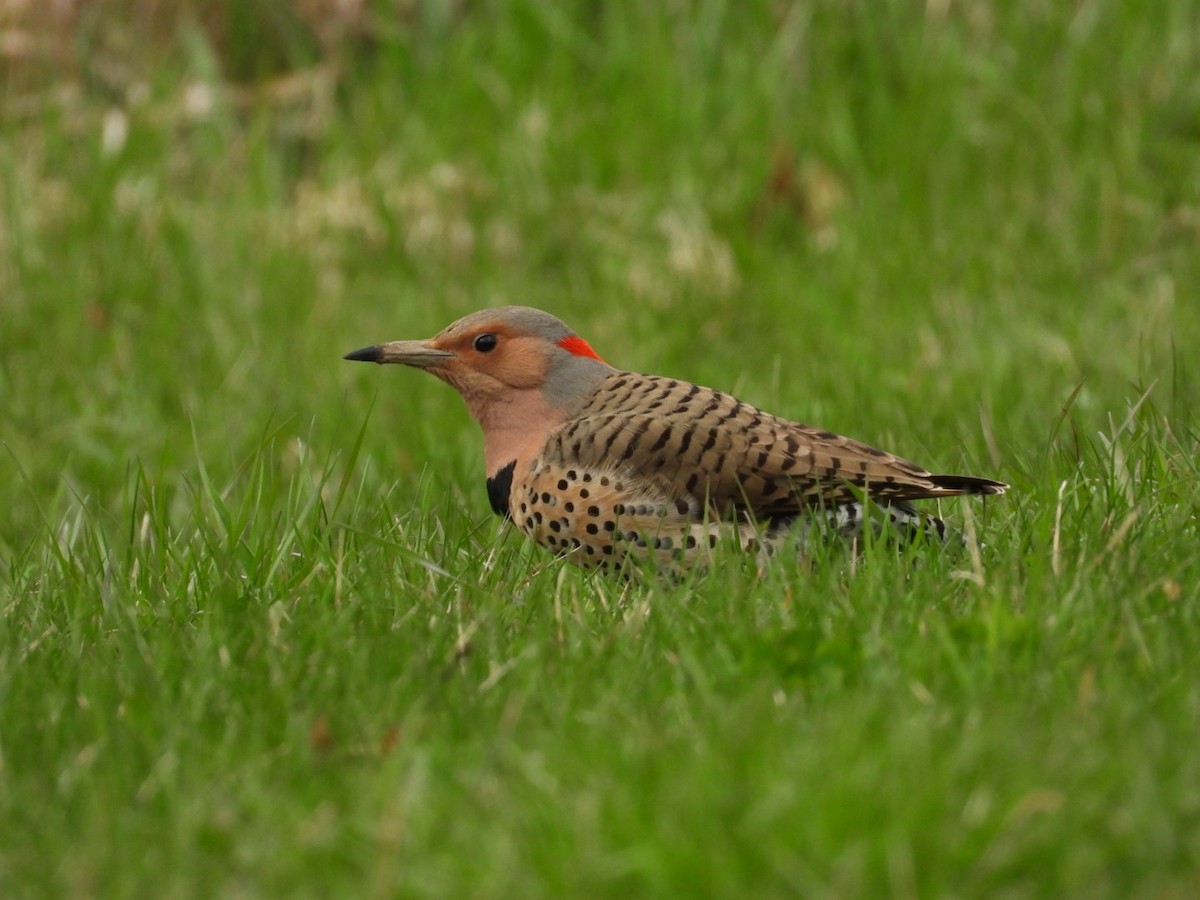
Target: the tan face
pixel 491 356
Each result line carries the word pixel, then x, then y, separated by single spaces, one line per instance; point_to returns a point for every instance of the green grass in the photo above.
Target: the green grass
pixel 259 634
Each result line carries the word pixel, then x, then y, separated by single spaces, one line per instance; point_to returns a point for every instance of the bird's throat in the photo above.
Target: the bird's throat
pixel 515 429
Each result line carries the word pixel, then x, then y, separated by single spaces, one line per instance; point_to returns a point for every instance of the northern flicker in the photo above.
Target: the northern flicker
pixel 599 464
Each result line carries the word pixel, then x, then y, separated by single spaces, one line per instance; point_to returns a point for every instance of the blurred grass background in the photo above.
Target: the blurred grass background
pixel 236 641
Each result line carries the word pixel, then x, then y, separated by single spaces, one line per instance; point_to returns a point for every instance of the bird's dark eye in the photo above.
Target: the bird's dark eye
pixel 485 343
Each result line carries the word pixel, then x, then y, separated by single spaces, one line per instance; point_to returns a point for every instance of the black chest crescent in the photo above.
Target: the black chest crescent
pixel 498 487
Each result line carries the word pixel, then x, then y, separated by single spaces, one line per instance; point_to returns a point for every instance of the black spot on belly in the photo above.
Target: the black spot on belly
pixel 498 488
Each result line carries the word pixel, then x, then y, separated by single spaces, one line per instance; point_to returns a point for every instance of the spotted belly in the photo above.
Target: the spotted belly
pixel 597 519
pixel 607 519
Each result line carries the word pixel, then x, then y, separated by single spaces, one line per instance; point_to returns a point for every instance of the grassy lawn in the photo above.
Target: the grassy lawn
pixel 260 634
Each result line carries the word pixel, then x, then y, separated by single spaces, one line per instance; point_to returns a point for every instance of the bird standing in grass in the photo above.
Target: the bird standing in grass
pixel 600 465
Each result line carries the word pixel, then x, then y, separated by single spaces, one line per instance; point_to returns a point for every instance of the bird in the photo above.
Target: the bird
pixel 616 470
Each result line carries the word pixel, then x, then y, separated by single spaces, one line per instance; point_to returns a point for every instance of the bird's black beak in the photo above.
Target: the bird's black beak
pixel 366 354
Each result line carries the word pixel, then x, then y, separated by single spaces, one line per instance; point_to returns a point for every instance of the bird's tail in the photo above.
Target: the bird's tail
pixel 968 484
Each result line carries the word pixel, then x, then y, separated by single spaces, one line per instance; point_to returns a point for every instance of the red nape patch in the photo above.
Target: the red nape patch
pixel 579 347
